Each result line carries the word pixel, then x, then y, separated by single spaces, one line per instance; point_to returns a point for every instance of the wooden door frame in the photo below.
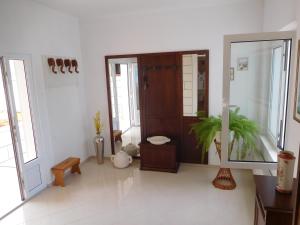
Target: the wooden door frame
pixel 138 55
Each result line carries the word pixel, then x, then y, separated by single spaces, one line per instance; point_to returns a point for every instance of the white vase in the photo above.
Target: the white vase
pixel 121 159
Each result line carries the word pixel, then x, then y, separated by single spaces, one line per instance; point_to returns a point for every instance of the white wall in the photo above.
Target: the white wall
pixel 32 29
pixel 247 99
pixel 197 28
pixel 278 13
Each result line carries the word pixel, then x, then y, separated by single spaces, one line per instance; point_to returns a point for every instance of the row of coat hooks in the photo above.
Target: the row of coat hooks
pixel 63 65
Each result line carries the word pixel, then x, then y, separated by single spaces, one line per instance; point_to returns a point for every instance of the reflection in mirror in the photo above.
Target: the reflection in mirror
pixel 125 107
pixel 258 99
pixel 202 65
pixel 194 69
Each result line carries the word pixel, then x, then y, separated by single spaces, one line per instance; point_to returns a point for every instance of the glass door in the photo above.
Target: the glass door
pixel 257 68
pixel 11 190
pixel 18 86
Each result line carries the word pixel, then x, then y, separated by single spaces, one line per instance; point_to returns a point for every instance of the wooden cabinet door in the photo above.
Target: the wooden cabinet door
pixel 161 95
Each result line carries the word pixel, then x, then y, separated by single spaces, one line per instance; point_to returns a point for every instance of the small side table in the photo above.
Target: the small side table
pixel 272 207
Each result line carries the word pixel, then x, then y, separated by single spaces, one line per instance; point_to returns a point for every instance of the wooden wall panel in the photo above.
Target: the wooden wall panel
pixel 160 91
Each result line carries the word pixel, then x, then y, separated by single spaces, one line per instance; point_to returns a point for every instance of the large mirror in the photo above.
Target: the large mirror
pixel 256 98
pixel 124 104
pixel 194 83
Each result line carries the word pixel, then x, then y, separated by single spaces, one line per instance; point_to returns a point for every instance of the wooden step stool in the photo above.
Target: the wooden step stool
pixel 59 170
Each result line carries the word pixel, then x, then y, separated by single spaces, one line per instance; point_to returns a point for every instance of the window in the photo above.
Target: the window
pixel 259 90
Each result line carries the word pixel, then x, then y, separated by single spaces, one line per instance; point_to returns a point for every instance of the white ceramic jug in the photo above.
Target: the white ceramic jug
pixel 121 159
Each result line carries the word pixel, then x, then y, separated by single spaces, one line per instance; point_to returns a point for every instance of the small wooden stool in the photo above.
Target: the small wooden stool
pixel 59 170
pixel 117 135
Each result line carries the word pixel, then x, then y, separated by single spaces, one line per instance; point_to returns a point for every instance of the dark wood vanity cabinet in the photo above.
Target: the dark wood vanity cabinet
pixel 272 207
pixel 159 157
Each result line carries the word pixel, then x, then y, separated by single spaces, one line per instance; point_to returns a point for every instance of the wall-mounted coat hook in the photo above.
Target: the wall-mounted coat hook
pixel 75 65
pixel 51 63
pixel 60 64
pixel 67 63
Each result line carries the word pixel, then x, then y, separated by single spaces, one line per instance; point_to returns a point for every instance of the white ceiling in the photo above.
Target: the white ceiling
pixel 93 9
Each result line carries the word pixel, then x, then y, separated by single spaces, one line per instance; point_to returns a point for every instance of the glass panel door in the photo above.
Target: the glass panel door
pixel 19 85
pixel 20 95
pixel 255 98
pixel 11 193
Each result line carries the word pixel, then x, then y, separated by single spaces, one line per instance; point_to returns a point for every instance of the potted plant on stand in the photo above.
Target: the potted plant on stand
pixel 243 134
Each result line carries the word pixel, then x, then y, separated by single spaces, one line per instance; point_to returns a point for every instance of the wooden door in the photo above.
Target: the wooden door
pixel 160 91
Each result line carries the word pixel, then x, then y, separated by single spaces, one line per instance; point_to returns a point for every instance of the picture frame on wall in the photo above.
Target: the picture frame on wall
pixel 242 64
pixel 297 89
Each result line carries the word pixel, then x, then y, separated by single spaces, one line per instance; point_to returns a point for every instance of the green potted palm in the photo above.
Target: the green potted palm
pixel 243 133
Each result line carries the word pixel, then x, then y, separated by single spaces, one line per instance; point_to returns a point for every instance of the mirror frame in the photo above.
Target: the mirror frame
pixel 107 58
pixel 228 39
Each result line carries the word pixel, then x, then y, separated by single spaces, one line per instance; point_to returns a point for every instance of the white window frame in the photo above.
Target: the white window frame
pixel 274 139
pixel 228 39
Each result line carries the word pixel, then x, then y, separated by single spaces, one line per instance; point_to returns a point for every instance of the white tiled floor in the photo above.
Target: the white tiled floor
pixel 109 196
pixel 10 196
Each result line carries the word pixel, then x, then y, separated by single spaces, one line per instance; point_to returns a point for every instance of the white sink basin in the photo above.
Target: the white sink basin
pixel 158 140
